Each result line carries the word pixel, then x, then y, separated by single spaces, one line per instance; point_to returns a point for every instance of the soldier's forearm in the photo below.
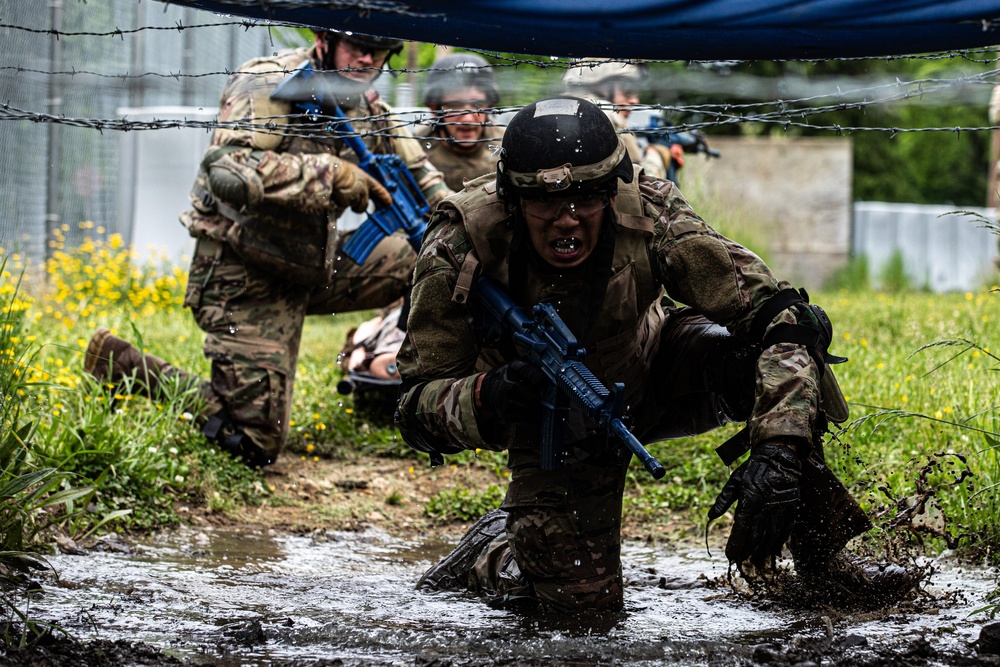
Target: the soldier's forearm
pixel 302 182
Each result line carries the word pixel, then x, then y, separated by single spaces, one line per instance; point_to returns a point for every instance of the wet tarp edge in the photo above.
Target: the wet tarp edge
pixel 653 29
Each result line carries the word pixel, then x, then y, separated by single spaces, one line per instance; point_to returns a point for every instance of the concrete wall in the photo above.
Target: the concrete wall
pixel 798 190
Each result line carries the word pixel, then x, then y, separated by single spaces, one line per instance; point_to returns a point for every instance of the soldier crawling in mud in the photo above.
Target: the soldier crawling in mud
pixel 569 220
pixel 460 91
pixel 272 213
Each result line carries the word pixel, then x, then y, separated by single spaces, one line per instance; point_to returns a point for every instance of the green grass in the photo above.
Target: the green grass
pixel 923 411
pixel 917 409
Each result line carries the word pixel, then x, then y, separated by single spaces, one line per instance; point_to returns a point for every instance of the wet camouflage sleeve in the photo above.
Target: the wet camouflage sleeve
pixel 728 283
pixel 301 180
pixel 440 348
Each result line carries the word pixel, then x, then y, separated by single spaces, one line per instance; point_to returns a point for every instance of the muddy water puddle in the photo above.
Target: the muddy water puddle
pixel 229 598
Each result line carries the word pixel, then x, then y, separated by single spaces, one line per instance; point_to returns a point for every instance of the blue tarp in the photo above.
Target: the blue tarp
pixel 653 29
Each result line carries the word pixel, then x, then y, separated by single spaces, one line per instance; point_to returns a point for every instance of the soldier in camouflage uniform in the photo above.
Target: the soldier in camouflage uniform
pixel 461 141
pixel 616 87
pixel 272 210
pixel 460 90
pixel 568 220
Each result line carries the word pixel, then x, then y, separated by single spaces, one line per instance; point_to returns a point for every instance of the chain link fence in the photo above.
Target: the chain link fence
pixel 61 58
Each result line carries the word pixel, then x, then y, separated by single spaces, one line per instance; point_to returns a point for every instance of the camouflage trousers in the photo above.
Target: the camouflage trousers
pixel 253 326
pixel 562 546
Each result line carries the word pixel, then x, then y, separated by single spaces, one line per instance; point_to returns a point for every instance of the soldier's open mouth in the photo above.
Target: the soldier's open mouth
pixel 566 246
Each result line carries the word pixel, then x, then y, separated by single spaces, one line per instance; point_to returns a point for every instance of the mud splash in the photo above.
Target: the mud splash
pixel 226 598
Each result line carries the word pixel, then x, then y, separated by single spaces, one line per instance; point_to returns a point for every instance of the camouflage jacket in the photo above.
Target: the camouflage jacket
pixel 294 166
pixel 460 166
pixel 667 249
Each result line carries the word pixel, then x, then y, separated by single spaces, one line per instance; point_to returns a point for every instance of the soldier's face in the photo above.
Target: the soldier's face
pixel 358 64
pixel 624 98
pixel 462 115
pixel 564 230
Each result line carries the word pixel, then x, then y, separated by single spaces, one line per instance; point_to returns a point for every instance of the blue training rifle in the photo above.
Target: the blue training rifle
pixel 408 208
pixel 552 347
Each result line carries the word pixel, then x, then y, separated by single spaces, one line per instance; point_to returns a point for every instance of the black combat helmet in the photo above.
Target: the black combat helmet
pixel 559 147
pixel 371 42
pixel 358 40
pixel 457 71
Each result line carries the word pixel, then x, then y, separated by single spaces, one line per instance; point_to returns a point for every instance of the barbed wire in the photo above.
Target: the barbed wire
pixel 120 33
pixel 794 112
pixel 786 112
pixel 974 79
pixel 391 125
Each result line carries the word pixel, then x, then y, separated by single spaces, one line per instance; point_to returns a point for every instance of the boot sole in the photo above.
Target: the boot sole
pixel 92 357
pixel 449 573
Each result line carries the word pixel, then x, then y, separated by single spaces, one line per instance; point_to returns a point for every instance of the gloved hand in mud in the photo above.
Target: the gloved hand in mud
pixel 766 487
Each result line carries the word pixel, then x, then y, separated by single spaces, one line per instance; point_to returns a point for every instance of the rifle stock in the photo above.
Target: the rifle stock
pixel 552 347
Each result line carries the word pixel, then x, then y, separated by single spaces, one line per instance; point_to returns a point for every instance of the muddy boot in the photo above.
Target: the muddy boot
pixel 452 572
pixel 233 439
pixel 113 360
pixel 828 518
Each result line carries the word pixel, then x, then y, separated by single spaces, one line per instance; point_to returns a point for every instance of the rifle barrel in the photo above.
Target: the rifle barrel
pixel 648 461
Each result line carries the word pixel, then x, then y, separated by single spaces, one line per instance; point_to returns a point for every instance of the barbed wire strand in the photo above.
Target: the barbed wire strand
pixel 788 113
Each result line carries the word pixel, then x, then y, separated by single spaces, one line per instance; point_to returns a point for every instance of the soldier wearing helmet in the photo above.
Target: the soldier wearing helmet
pixel 461 141
pixel 617 86
pixel 460 91
pixel 569 221
pixel 277 197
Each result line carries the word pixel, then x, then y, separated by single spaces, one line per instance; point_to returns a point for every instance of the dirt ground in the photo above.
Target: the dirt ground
pixel 389 494
pixel 353 494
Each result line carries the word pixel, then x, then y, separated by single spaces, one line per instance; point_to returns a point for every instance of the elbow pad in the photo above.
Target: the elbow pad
pixel 812 327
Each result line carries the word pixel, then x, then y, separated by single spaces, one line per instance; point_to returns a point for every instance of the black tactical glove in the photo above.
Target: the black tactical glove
pixel 513 392
pixel 767 487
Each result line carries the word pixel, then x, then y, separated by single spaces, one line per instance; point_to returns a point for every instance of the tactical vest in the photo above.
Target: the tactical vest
pixel 298 247
pixel 626 330
pixel 461 167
